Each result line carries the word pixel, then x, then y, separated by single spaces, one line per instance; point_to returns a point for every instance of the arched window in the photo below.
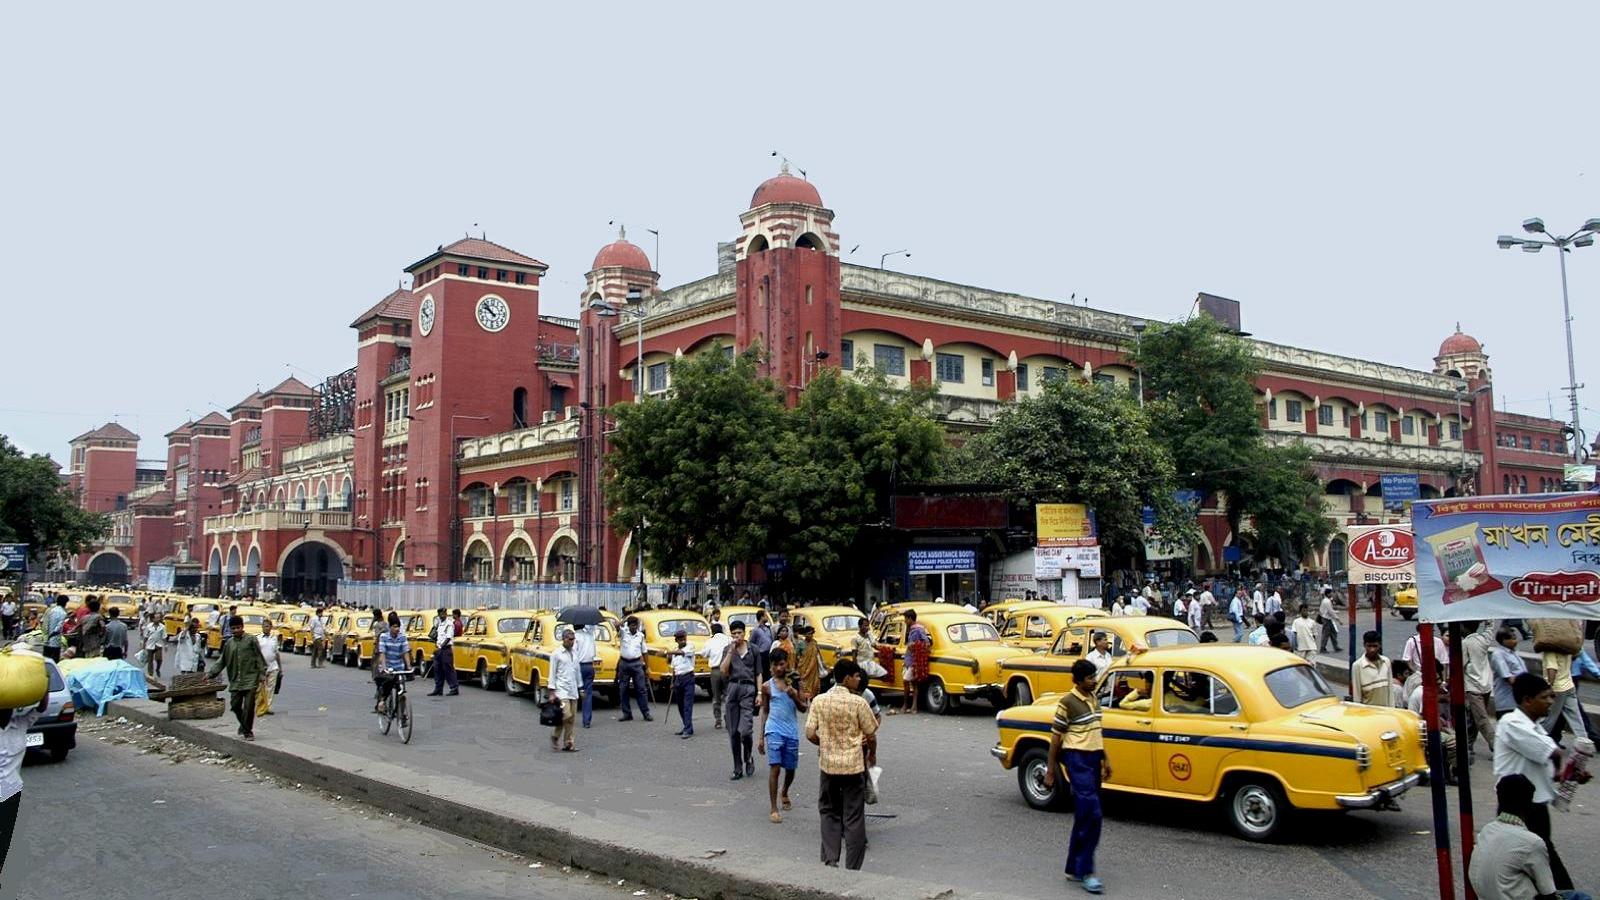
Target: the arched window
pixel 300 496
pixel 1506 480
pixel 757 244
pixel 322 495
pixel 809 241
pixel 1523 485
pixel 519 408
pixel 558 397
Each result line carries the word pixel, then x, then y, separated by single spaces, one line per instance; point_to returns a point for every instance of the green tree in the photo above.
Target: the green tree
pixel 1079 442
pixel 38 510
pixel 1202 406
pixel 847 441
pixel 696 465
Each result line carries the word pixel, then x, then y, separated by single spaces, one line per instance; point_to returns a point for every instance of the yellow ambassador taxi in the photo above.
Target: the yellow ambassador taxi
pixel 1001 610
pixel 344 635
pixel 658 627
pixel 1405 603
pixel 185 609
pixel 883 612
pixel 416 626
pixel 728 615
pixel 1036 674
pixel 483 649
pixel 1255 728
pixel 836 626
pixel 1035 628
pixel 302 631
pixel 963 663
pixel 530 657
pixel 253 617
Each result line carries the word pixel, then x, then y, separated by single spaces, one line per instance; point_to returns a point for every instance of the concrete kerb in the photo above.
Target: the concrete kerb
pixel 537 829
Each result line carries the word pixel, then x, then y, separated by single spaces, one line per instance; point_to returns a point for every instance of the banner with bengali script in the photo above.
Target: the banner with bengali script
pixel 1519 556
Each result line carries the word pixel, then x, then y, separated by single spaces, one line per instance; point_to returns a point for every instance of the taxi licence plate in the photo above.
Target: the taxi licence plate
pixel 1397 757
pixel 35 739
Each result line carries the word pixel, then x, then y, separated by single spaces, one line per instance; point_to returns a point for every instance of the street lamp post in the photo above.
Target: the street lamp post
pixel 1583 237
pixel 1138 347
pixel 882 258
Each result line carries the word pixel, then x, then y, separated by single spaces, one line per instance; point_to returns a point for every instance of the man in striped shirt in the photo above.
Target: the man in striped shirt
pixel 1077 729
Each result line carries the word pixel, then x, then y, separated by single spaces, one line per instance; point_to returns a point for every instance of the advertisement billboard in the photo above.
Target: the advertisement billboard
pixel 1048 562
pixel 1064 525
pixel 1518 556
pixel 1381 554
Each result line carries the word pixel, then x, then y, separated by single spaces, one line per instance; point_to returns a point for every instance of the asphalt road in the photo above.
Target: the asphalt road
pixel 950 814
pixel 113 823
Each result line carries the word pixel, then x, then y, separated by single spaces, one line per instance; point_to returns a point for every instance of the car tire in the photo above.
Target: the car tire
pixel 1256 808
pixel 514 687
pixel 935 699
pixel 59 754
pixel 1408 614
pixel 1030 781
pixel 482 674
pixel 1021 693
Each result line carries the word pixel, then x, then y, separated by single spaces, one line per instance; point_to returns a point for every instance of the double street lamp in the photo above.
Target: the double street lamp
pixel 1583 237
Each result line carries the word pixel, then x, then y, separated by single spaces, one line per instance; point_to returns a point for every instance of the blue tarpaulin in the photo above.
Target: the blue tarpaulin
pixel 96 682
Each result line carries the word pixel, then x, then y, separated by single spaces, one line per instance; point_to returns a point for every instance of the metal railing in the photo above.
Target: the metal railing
pixel 492 595
pixel 551 351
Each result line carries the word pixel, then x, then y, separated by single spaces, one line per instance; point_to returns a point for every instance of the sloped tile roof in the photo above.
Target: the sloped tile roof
pixel 400 304
pixel 108 431
pixel 478 248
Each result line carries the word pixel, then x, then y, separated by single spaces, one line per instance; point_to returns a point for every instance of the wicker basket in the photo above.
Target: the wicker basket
pixel 196 708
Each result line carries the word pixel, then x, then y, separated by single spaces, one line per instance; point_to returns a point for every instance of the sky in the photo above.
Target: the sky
pixel 199 198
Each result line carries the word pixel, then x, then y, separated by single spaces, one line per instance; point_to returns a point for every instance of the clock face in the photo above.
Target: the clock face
pixel 493 313
pixel 425 315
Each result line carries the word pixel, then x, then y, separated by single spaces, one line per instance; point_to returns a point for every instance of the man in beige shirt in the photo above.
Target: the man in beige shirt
pixel 1370 680
pixel 1558 671
pixel 842 726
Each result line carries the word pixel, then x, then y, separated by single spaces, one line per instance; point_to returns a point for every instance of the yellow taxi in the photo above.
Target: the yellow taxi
pixel 345 634
pixel 1001 610
pixel 1253 727
pixel 963 663
pixel 414 625
pixel 300 638
pixel 1034 628
pixel 253 617
pixel 1405 603
pixel 659 627
pixel 746 614
pixel 885 611
pixel 530 657
pixel 1036 674
pixel 836 626
pixel 183 609
pixel 483 650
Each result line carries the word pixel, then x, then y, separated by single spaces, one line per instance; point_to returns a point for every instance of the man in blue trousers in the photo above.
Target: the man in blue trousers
pixel 1077 729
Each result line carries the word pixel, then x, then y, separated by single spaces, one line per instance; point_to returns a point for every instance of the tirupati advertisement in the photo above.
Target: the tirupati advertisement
pixel 1516 556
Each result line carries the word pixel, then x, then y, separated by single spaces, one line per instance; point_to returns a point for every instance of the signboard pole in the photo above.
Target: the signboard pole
pixel 1351 644
pixel 1458 716
pixel 1441 806
pixel 1377 612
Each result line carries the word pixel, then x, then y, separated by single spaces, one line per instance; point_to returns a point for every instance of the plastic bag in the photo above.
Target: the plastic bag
pixel 873 774
pixel 872 669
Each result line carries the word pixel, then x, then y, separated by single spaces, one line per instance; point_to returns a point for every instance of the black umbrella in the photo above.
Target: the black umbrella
pixel 579 615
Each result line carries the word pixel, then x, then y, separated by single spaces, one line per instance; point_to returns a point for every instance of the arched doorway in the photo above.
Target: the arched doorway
pixel 1336 556
pixel 521 564
pixel 562 563
pixel 311 569
pixel 252 572
pixel 231 572
pixel 213 581
pixel 108 567
pixel 478 562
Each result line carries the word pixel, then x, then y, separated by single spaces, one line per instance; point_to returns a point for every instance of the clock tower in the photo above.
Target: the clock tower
pixel 474 371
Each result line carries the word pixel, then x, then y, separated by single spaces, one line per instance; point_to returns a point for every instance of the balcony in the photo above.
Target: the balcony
pixel 522 440
pixel 321 451
pixel 279 519
pixel 1356 451
pixel 965 410
pixel 400 365
pixel 557 353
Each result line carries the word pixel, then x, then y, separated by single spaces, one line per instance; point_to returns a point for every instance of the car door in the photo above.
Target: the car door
pixel 464 649
pixel 893 635
pixel 1199 725
pixel 1126 725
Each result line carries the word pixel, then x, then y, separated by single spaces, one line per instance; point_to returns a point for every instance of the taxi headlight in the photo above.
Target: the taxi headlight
pixel 1363 757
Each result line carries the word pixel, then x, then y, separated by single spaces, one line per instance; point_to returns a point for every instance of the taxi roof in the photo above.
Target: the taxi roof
pixel 828 610
pixel 1235 659
pixel 944 615
pixel 653 614
pixel 1131 624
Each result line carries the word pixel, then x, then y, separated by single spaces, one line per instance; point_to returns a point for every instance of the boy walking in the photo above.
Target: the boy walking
pixel 1077 728
pixel 780 699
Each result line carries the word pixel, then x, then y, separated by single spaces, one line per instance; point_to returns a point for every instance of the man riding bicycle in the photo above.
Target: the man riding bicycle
pixel 393 654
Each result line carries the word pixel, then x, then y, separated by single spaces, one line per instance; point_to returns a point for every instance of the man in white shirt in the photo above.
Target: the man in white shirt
pixel 1139 606
pixel 1523 747
pixel 14 725
pixel 318 624
pixel 583 641
pixel 268 642
pixel 715 648
pixel 1236 611
pixel 1371 681
pixel 1413 651
pixel 564 681
pixel 444 655
pixel 1208 602
pixel 1100 655
pixel 681 661
pixel 631 680
pixel 1478 678
pixel 1305 634
pixel 1510 862
pixel 1197 608
pixel 1330 627
pixel 1258 600
pixel 1180 609
pixel 1274 602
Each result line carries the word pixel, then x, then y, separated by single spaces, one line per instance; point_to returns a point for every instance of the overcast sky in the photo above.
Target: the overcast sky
pixel 197 201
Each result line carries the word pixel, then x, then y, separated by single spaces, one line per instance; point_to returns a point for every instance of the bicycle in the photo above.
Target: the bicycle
pixel 395 706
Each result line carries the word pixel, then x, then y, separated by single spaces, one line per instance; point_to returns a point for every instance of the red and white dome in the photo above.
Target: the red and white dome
pixel 785 188
pixel 1460 343
pixel 621 253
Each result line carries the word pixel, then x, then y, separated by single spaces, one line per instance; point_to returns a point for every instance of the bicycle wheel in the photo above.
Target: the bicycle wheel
pixel 405 720
pixel 386 718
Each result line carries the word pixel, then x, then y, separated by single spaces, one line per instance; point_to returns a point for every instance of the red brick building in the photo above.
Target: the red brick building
pixel 465 444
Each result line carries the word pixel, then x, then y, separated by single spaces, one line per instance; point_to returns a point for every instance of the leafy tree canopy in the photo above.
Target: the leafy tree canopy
pixel 38 510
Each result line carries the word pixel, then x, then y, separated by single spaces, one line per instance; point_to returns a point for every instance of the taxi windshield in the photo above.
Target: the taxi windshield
pixel 1169 637
pixel 1292 686
pixel 962 632
pixel 840 623
pixel 670 627
pixel 748 618
pixel 512 626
